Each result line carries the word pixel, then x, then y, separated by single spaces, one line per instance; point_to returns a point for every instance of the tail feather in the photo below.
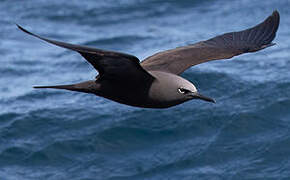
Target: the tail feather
pixel 68 87
pixel 87 87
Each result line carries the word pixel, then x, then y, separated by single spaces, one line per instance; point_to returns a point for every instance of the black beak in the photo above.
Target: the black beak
pixel 196 95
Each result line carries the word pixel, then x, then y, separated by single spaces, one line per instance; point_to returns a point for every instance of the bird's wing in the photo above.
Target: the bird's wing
pixel 224 46
pixel 110 65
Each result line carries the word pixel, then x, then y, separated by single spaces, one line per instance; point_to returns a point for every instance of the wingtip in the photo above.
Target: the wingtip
pixel 275 13
pixel 276 16
pixel 19 27
pixel 22 29
pixel 270 27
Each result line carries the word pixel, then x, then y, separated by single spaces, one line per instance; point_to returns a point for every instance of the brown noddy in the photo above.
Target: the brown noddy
pixel 155 82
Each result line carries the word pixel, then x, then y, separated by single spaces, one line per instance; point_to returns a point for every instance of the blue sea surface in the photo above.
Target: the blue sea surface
pixel 61 135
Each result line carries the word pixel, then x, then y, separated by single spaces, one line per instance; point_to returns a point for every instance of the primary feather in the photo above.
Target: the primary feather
pixel 224 46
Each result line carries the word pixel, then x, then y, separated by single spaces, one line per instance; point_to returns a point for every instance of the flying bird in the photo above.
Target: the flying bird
pixel 155 82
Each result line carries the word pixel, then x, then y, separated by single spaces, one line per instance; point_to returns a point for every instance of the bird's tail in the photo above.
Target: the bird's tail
pixel 87 86
pixel 67 87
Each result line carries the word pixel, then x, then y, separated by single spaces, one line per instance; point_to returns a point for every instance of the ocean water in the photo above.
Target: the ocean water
pixel 60 135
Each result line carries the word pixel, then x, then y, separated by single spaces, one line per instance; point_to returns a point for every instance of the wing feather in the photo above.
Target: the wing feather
pixel 224 46
pixel 110 65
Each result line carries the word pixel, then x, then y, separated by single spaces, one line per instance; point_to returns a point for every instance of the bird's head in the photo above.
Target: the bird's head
pixel 190 92
pixel 170 89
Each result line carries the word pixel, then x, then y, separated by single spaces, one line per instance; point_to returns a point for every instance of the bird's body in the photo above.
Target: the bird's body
pixel 155 83
pixel 156 94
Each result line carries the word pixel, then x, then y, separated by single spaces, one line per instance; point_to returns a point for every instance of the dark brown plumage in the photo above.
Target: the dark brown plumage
pixel 155 82
pixel 220 47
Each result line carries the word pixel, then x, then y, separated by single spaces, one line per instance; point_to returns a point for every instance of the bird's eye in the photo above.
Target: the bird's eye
pixel 183 90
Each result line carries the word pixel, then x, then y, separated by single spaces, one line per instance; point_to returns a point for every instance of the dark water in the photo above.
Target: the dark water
pixel 60 135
